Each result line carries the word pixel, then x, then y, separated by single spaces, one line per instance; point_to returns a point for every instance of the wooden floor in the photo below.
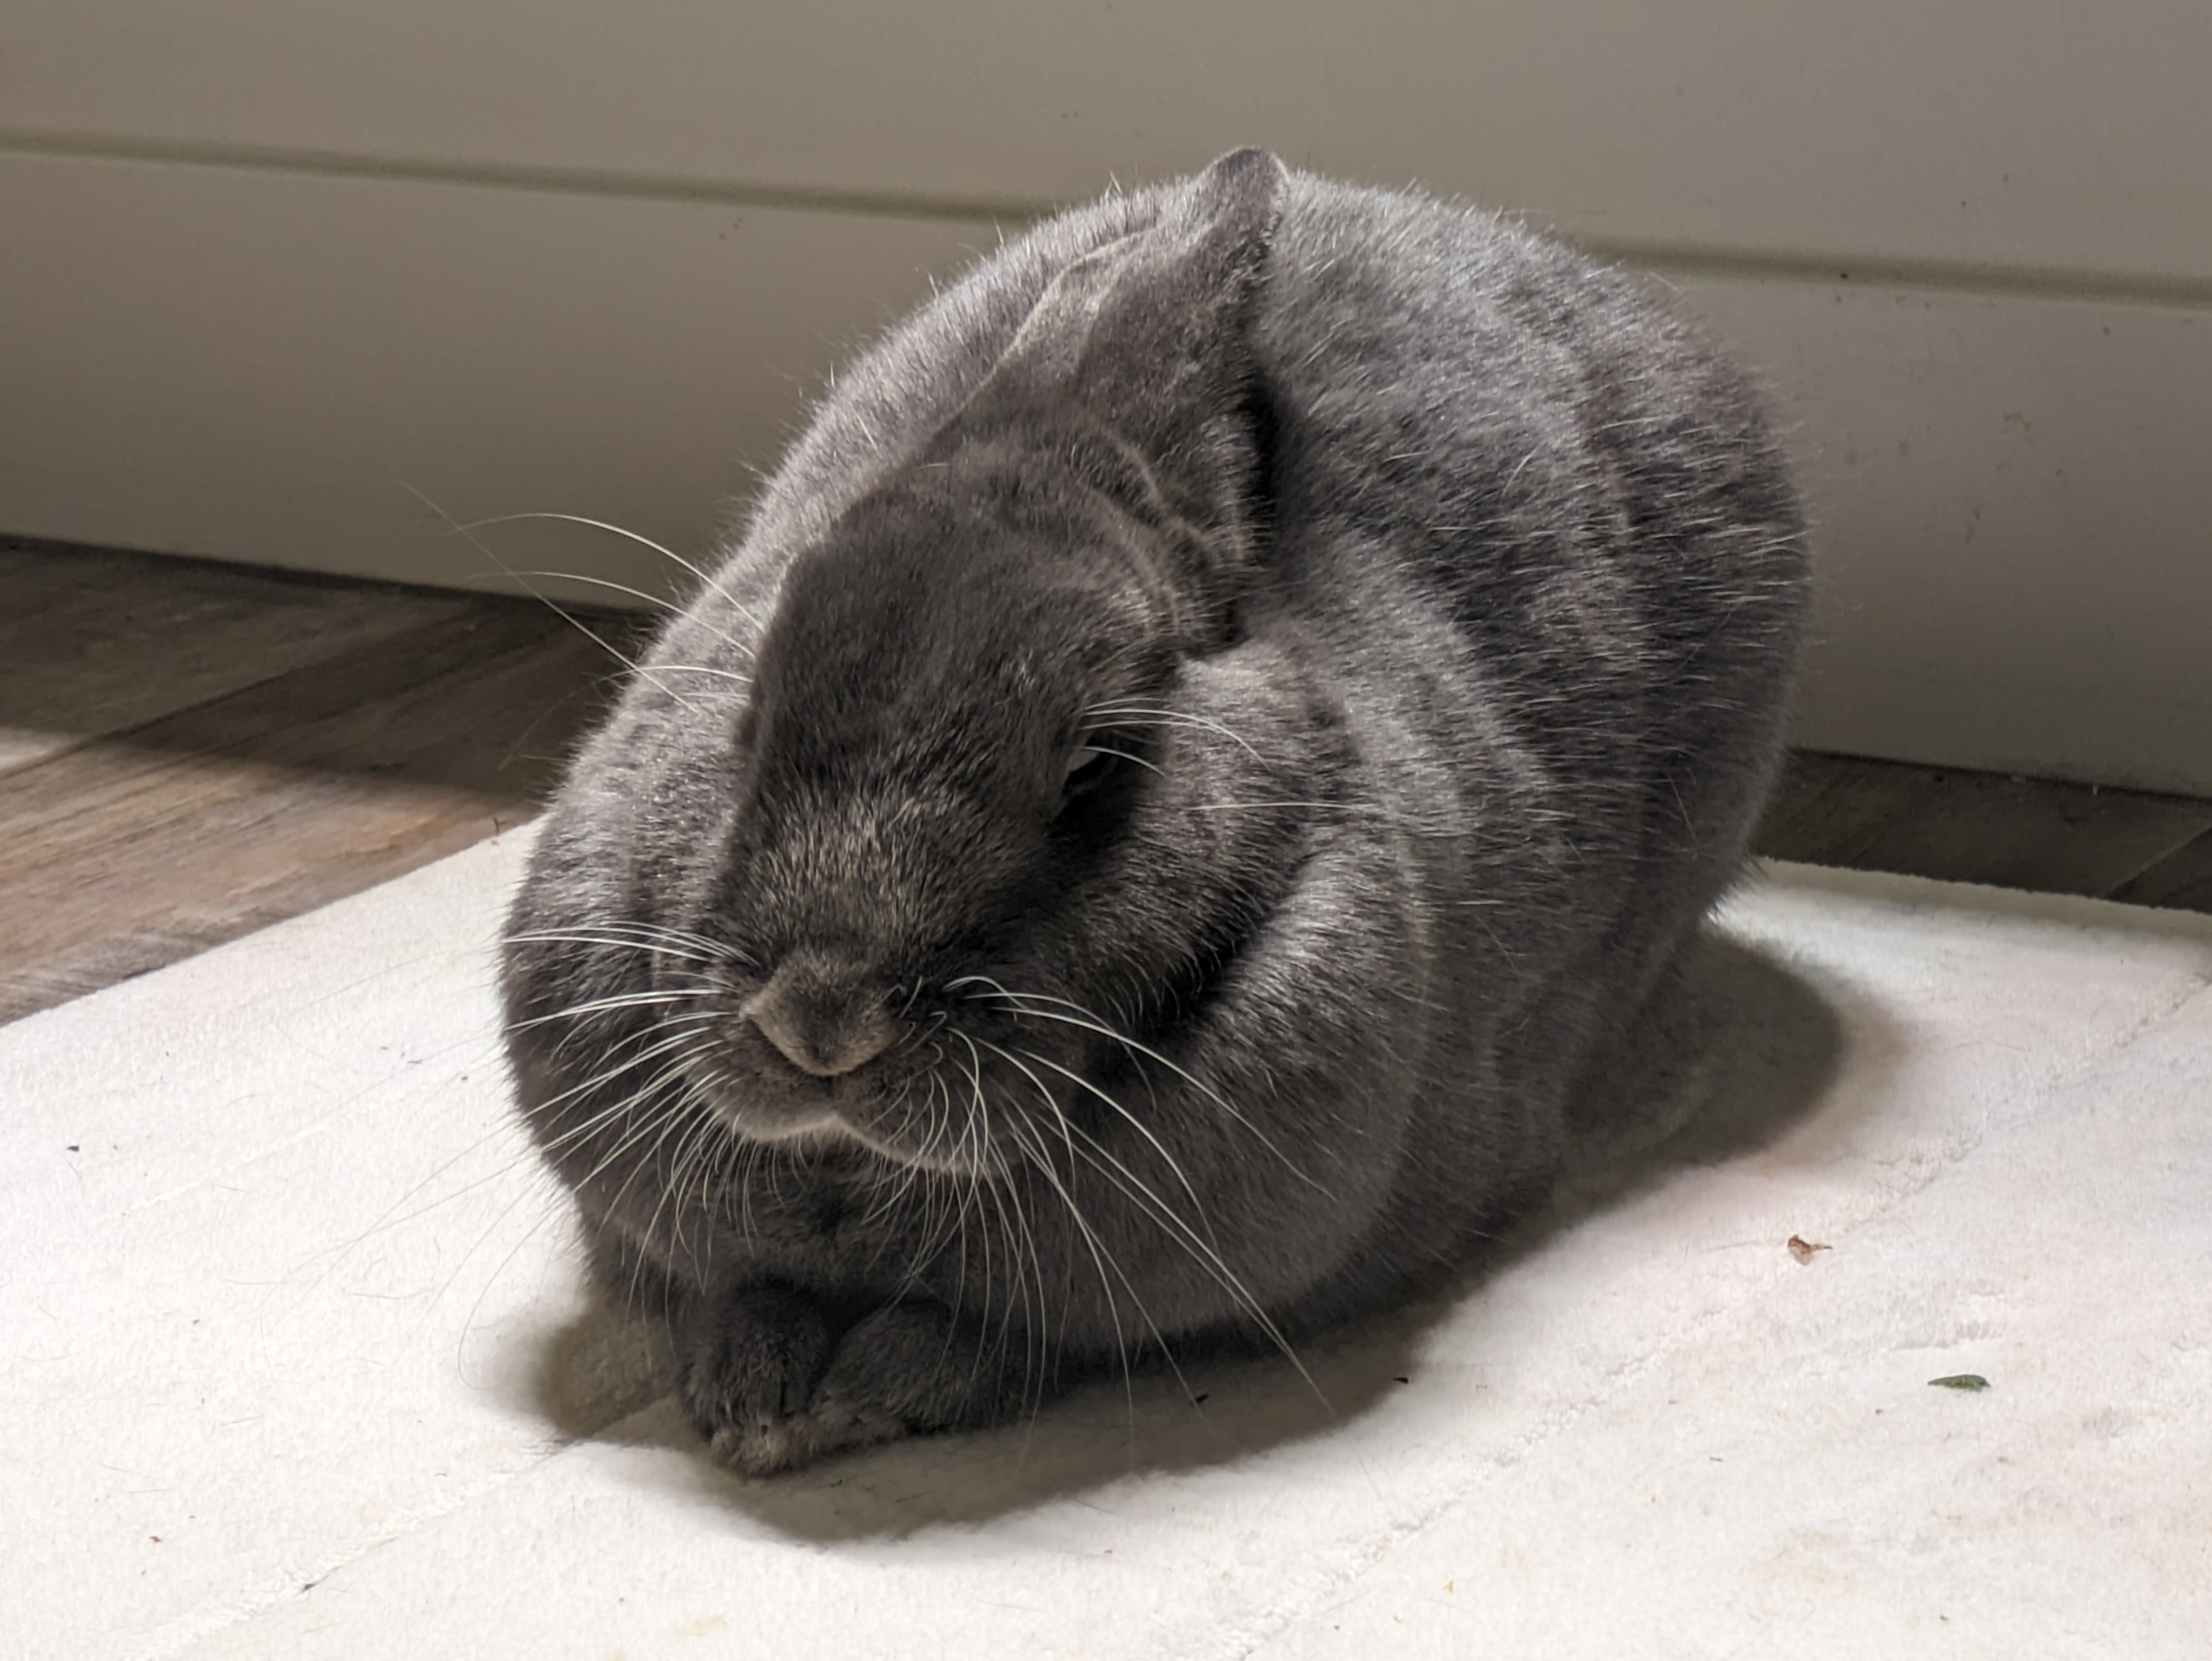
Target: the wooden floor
pixel 191 751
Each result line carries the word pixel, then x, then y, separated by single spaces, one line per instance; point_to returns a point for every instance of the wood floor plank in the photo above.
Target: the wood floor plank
pixel 35 576
pixel 2182 880
pixel 91 642
pixel 134 851
pixel 353 711
pixel 1965 826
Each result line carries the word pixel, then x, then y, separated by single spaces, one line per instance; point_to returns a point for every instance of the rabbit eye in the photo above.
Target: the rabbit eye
pixel 1098 765
pixel 1085 768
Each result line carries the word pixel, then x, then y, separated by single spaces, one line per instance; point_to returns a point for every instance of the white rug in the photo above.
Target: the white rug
pixel 296 1362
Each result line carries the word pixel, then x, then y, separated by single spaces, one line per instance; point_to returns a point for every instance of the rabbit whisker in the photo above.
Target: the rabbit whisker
pixel 1074 1014
pixel 1130 715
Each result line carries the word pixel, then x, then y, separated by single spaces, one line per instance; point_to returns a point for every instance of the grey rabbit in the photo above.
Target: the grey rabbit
pixel 1216 727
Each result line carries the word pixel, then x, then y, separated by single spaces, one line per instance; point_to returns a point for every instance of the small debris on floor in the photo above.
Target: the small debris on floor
pixel 1802 1249
pixel 1960 1381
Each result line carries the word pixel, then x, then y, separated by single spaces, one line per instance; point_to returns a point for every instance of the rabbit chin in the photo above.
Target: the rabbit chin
pixel 949 1147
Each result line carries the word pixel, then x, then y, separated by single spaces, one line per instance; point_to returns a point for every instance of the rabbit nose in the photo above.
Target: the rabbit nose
pixel 823 1022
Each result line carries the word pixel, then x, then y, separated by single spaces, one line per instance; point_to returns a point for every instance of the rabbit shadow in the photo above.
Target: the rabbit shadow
pixel 1734 1050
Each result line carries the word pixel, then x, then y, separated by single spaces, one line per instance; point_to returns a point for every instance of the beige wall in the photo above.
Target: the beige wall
pixel 269 269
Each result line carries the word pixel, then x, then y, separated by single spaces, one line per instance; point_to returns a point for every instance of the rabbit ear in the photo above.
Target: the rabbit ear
pixel 1149 332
